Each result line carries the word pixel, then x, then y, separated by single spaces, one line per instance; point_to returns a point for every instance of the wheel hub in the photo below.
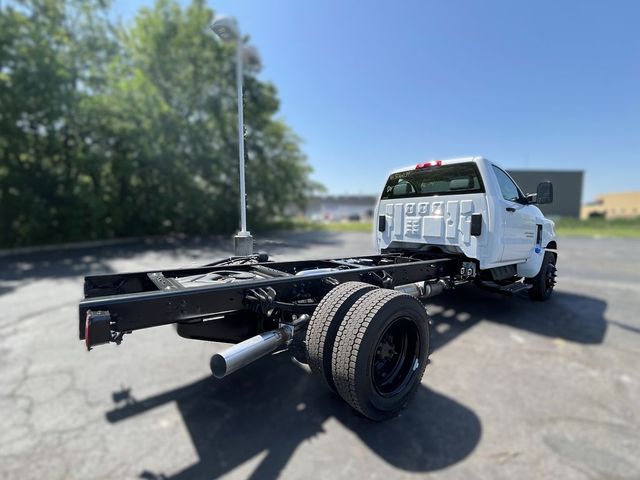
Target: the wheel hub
pixel 395 356
pixel 386 350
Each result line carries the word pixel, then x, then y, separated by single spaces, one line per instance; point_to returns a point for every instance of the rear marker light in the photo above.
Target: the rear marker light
pixel 476 224
pixel 97 328
pixel 382 223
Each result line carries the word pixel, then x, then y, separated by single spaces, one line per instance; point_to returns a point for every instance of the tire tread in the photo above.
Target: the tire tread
pixel 320 335
pixel 349 338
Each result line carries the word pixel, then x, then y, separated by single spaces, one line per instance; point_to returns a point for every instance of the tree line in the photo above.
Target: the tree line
pixel 111 129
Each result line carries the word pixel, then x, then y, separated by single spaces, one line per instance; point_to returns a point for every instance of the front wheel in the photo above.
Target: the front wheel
pixel 380 353
pixel 543 283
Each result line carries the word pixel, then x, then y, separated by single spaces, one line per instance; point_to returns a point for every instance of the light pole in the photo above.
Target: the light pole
pixel 227 29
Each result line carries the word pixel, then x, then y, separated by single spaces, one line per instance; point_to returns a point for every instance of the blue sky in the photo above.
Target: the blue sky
pixel 371 86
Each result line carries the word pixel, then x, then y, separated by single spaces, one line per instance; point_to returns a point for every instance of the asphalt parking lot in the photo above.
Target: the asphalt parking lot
pixel 515 389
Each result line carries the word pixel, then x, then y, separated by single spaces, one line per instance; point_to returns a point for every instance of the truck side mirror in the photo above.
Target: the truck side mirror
pixel 544 193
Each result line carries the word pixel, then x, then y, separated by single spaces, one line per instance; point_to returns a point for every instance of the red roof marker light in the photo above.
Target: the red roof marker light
pixel 435 163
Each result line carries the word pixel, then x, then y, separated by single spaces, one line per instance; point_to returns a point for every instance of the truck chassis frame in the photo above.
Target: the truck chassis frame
pixel 319 310
pixel 236 298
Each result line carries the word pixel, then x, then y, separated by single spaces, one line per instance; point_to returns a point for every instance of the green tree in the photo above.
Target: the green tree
pixel 50 57
pixel 126 130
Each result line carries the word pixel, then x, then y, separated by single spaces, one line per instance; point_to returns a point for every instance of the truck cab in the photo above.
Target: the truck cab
pixel 467 206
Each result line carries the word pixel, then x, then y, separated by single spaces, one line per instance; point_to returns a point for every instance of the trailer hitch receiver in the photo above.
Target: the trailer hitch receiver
pixel 97 328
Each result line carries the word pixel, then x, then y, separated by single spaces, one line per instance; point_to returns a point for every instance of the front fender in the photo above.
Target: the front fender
pixel 531 267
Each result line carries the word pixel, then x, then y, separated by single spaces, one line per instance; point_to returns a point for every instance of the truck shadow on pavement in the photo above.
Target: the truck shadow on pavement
pixel 272 407
pixel 567 316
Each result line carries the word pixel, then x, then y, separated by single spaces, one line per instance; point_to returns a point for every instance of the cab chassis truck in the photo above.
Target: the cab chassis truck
pixel 358 322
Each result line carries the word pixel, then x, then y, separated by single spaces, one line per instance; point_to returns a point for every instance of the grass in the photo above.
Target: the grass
pixel 599 227
pixel 594 227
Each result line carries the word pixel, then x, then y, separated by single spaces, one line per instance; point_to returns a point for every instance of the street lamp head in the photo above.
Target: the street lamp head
pixel 226 28
pixel 251 57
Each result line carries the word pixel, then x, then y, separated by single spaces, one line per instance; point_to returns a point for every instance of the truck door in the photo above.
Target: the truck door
pixel 519 226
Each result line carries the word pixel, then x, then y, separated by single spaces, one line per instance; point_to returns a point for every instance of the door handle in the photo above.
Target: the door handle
pixel 511 209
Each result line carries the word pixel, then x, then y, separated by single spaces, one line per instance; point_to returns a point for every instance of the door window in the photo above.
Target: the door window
pixel 508 188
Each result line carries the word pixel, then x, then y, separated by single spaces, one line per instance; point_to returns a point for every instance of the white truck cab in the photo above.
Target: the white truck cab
pixel 468 206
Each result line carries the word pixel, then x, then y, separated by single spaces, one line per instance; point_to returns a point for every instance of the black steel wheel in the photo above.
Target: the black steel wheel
pixel 545 281
pixel 397 352
pixel 380 353
pixel 324 324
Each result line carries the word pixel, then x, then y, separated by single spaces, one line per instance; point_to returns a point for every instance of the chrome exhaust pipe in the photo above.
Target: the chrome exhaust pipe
pixel 423 289
pixel 413 289
pixel 243 353
pixel 431 289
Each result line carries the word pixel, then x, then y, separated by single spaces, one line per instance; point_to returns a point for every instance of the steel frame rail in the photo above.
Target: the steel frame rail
pixel 134 301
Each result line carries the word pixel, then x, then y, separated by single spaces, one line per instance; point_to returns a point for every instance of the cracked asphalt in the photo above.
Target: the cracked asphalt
pixel 516 389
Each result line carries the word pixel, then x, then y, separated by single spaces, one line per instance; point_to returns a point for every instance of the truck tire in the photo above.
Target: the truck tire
pixel 324 324
pixel 545 280
pixel 381 352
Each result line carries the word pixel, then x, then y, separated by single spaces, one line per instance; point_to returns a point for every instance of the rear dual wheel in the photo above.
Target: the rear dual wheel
pixel 379 349
pixel 324 325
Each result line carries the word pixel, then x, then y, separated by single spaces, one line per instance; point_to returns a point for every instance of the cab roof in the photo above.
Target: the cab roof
pixel 446 161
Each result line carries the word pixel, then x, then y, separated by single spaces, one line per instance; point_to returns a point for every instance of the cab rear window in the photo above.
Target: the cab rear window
pixel 455 179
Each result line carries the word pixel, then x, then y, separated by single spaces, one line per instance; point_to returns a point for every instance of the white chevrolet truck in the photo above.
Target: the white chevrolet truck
pixel 360 323
pixel 471 207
